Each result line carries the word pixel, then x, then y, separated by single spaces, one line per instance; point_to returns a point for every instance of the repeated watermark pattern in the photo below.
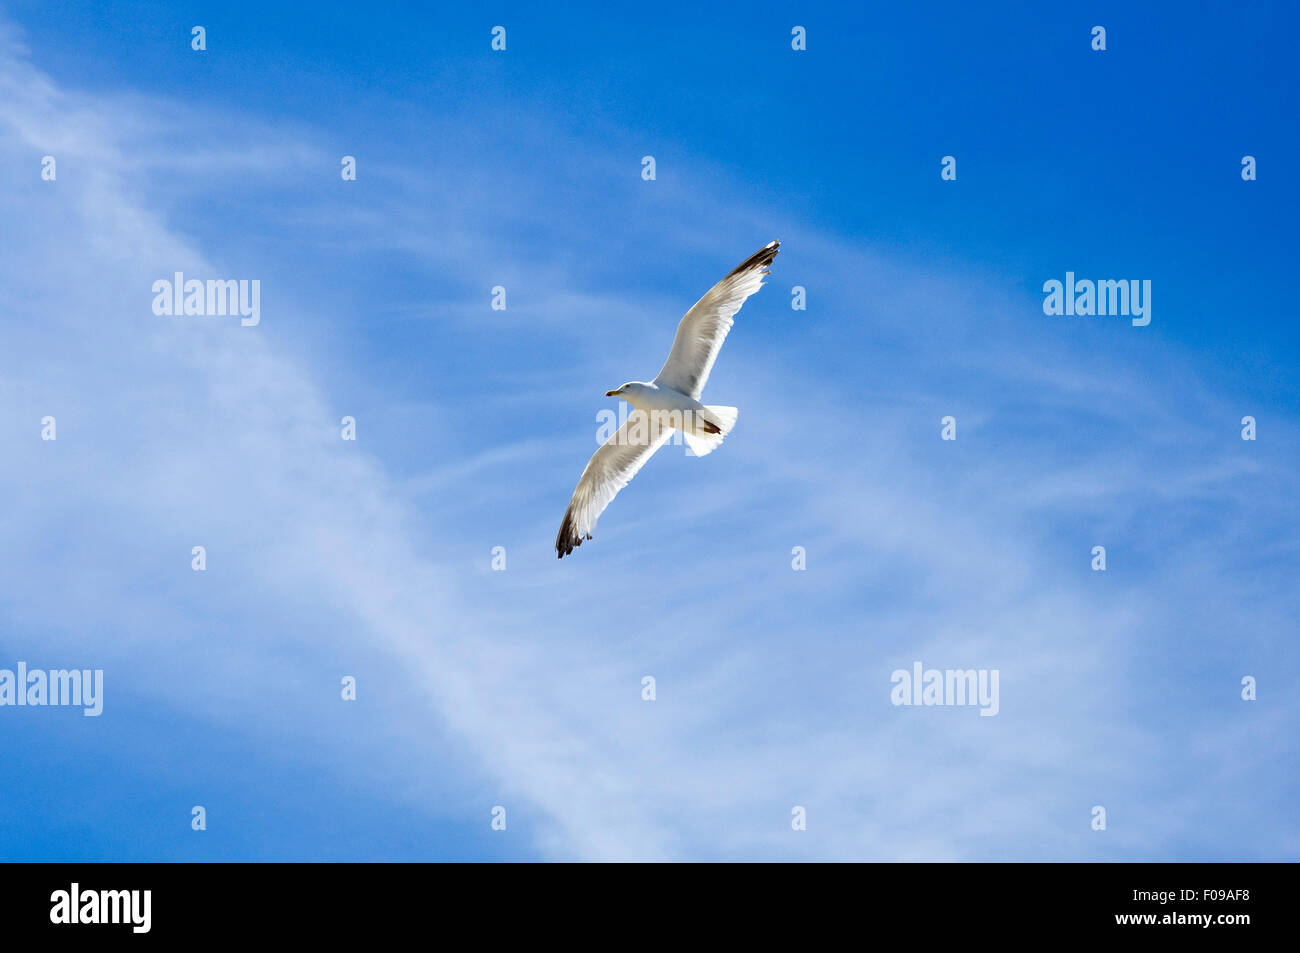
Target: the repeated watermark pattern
pixel 179 296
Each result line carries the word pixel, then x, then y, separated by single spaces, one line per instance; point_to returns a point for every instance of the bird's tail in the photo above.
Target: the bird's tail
pixel 710 427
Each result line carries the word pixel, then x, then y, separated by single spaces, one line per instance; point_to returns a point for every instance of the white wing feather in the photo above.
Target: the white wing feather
pixel 702 331
pixel 609 470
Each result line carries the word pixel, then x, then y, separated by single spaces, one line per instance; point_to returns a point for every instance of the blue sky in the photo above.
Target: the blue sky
pixel 522 688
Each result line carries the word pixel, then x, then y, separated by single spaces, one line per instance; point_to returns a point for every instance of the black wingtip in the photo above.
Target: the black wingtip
pixel 568 538
pixel 760 259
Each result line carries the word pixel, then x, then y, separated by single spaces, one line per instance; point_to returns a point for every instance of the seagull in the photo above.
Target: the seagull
pixel 670 402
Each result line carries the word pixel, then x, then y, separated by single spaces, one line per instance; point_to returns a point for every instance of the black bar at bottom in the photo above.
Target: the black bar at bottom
pixel 333 902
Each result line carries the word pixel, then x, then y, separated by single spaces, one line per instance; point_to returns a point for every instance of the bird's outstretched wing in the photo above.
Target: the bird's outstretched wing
pixel 609 470
pixel 705 326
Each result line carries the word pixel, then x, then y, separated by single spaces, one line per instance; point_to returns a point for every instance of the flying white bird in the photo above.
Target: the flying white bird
pixel 671 401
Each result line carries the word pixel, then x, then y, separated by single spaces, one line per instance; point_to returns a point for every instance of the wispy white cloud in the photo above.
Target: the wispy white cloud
pixel 773 685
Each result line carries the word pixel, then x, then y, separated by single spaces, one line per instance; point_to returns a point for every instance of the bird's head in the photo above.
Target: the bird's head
pixel 627 391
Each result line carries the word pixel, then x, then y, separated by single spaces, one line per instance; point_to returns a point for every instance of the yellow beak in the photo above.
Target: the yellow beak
pixel 611 393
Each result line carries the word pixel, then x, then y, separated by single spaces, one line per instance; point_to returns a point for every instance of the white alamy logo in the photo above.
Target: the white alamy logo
pixel 950 687
pixel 1105 296
pixel 216 296
pixel 80 688
pixel 103 906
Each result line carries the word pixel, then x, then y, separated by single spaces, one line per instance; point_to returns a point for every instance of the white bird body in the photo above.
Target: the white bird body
pixel 652 397
pixel 669 402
